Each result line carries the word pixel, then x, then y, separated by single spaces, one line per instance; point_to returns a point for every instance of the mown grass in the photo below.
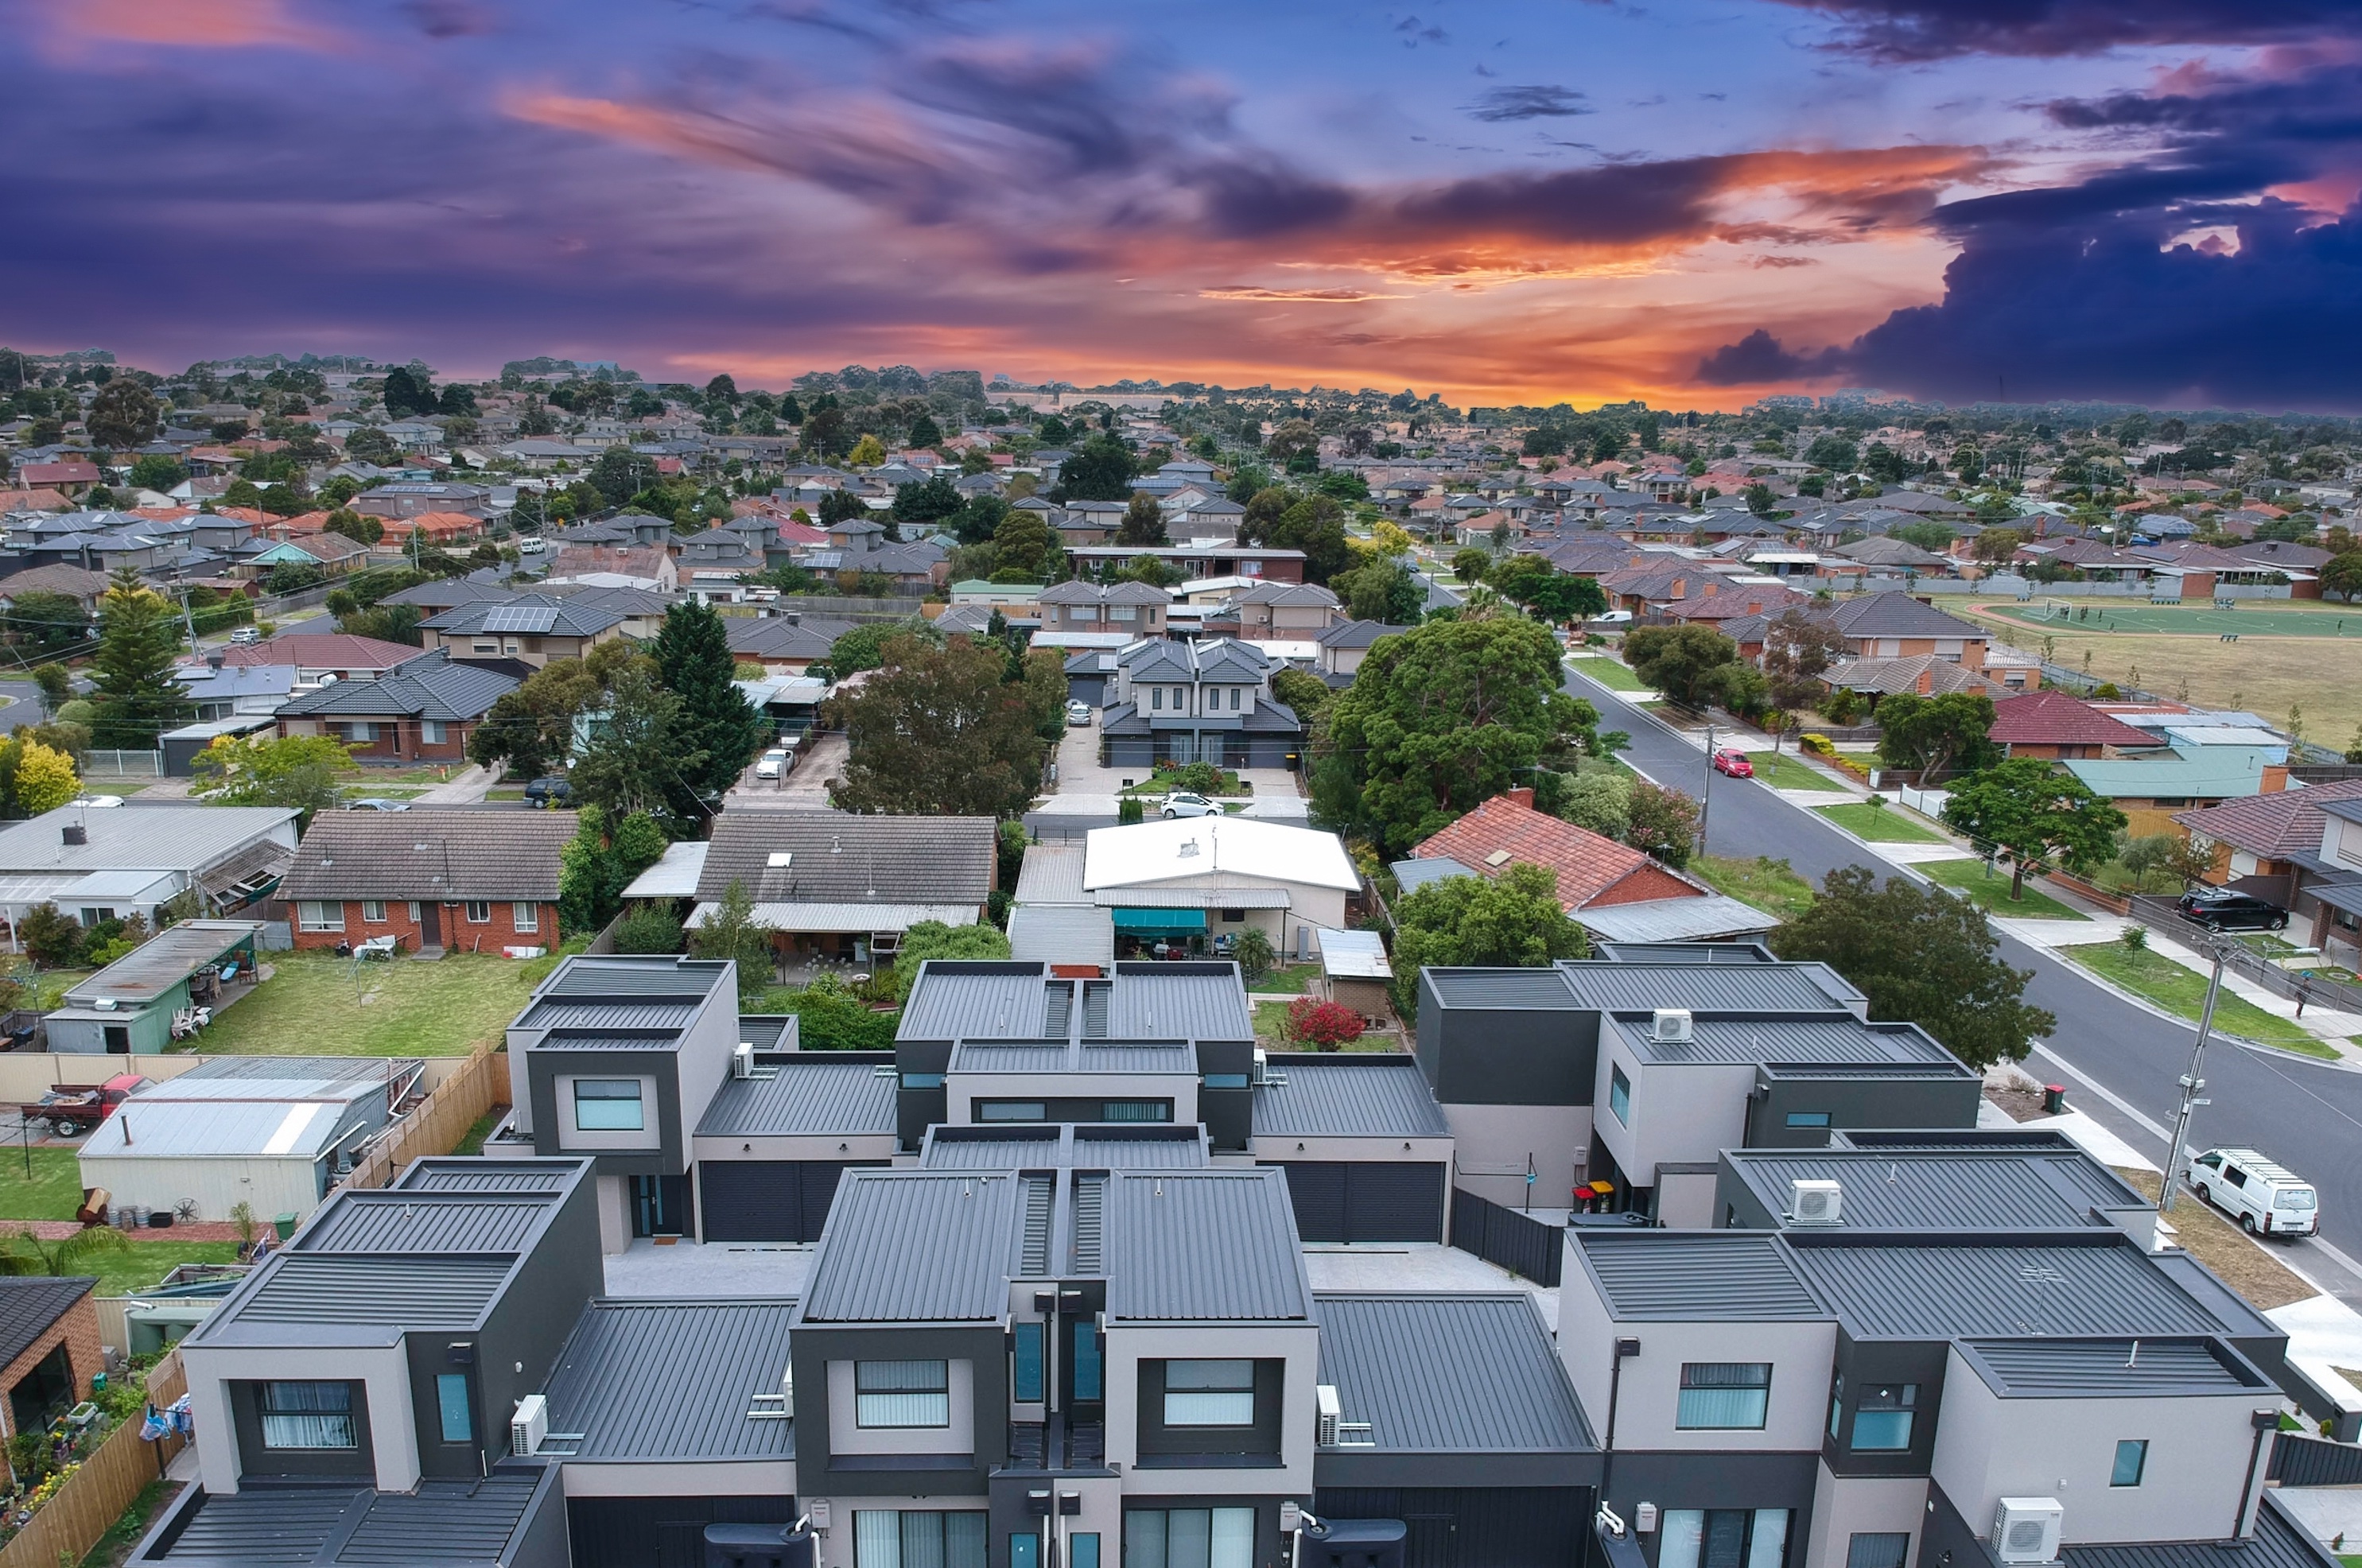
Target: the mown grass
pixel 1879 825
pixel 1989 891
pixel 2182 992
pixel 1772 886
pixel 1612 673
pixel 316 1004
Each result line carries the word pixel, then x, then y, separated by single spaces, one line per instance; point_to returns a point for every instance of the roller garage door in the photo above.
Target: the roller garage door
pixel 1351 1200
pixel 767 1200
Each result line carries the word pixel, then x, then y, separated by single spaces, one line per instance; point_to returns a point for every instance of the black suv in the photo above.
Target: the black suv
pixel 2219 909
pixel 548 792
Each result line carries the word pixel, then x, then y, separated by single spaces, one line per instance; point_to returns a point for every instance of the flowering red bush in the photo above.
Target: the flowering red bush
pixel 1324 1025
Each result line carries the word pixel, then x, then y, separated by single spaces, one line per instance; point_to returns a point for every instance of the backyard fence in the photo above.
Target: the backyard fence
pixel 441 1120
pixel 1498 1235
pixel 96 1495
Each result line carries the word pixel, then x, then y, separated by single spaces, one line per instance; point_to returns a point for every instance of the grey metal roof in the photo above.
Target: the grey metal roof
pixel 1707 988
pixel 440 1524
pixel 2127 1368
pixel 1053 874
pixel 673 1380
pixel 1676 919
pixel 2280 1541
pixel 1413 875
pixel 804 1093
pixel 1037 1150
pixel 1363 1095
pixel 1459 1374
pixel 464 1175
pixel 163 961
pixel 1933 1289
pixel 1211 1245
pixel 976 1001
pixel 1694 1276
pixel 606 1015
pixel 426 1222
pixel 1952 1190
pixel 1236 897
pixel 914 1246
pixel 403 1292
pixel 1178 1002
pixel 1084 1058
pixel 1512 988
pixel 166 1128
pixel 1138 1152
pixel 1774 1037
pixel 1061 934
pixel 164 838
pixel 617 979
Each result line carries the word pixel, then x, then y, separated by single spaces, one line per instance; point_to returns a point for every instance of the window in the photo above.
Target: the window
pixel 372 911
pixel 1086 1364
pixel 609 1105
pixel 902 1394
pixel 430 732
pixel 1235 697
pixel 478 912
pixel 413 911
pixel 1189 1537
pixel 1025 1356
pixel 1724 1395
pixel 1836 1404
pixel 1011 1110
pixel 524 916
pixel 1224 1080
pixel 1878 1550
pixel 1722 1537
pixel 1124 613
pixel 451 1404
pixel 2131 1460
pixel 1619 1094
pixel 484 644
pixel 1136 1111
pixel 1210 1393
pixel 912 1538
pixel 312 915
pixel 361 731
pixel 307 1416
pixel 923 1080
pixel 1234 917
pixel 93 916
pixel 1881 1422
pixel 1156 698
pixel 1808 1118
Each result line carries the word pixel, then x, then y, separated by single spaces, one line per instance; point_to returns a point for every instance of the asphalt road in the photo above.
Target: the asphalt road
pixel 2121 1063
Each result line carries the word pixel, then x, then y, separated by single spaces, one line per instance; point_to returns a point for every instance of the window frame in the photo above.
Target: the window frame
pixel 308 915
pixel 998 1111
pixel 446 1385
pixel 1619 1095
pixel 2139 1451
pixel 637 1099
pixel 471 906
pixel 372 911
pixel 911 1370
pixel 524 916
pixel 1686 1411
pixel 1892 1400
pixel 264 1415
pixel 1210 1394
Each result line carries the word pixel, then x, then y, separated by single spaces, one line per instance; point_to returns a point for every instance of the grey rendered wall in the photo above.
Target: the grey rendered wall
pixel 1506 1056
pixel 1869 1101
pixel 1490 1144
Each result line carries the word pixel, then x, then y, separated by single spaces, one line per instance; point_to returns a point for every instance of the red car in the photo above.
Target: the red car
pixel 1734 762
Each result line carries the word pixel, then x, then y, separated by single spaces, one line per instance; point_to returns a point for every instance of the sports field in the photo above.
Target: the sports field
pixel 2252 619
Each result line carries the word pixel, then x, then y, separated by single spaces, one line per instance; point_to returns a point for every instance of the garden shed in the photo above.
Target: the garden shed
pixel 129 1007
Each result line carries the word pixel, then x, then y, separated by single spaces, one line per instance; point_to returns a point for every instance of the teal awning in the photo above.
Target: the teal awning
pixel 1160 923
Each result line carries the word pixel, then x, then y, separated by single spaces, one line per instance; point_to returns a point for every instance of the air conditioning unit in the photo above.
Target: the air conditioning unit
pixel 529 1426
pixel 1816 1202
pixel 2027 1530
pixel 787 1391
pixel 1670 1023
pixel 742 1059
pixel 1333 1411
pixel 1262 1074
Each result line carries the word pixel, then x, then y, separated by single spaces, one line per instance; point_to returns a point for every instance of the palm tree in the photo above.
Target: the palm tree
pixel 23 1253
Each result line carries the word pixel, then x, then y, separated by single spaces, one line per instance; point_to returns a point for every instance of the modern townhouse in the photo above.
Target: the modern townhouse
pixel 1197 701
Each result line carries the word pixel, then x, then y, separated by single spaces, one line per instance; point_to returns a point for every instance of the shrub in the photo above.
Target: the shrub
pixel 1253 953
pixel 54 938
pixel 648 929
pixel 2134 938
pixel 1818 745
pixel 1324 1025
pixel 1130 810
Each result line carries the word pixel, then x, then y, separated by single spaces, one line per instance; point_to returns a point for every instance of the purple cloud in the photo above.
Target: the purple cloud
pixel 1935 29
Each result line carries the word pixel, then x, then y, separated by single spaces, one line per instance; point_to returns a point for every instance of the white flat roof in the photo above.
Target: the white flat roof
pixel 674 876
pixel 1177 848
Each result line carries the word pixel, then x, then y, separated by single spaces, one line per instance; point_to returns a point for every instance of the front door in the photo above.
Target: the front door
pixel 660 1206
pixel 430 924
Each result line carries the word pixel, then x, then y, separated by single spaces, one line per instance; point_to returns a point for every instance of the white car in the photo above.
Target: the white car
pixel 1079 715
pixel 1612 618
pixel 532 545
pixel 92 801
pixel 2264 1196
pixel 773 763
pixel 1182 803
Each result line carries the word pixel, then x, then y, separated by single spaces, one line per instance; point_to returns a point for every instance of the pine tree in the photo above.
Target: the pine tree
pixel 694 658
pixel 139 697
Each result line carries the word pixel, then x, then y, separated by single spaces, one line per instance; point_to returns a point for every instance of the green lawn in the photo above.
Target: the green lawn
pixel 1880 824
pixel 318 1004
pixel 54 1192
pixel 1992 892
pixel 2184 992
pixel 1612 673
pixel 48 988
pixel 1293 978
pixel 145 1263
pixel 1782 771
pixel 1770 885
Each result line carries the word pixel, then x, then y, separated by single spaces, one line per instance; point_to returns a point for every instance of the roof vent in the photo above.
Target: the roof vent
pixel 1189 848
pixel 74 833
pixel 1816 1202
pixel 780 859
pixel 1671 1025
pixel 1498 858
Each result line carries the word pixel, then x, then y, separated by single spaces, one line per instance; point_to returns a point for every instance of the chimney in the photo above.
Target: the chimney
pixel 74 833
pixel 1521 798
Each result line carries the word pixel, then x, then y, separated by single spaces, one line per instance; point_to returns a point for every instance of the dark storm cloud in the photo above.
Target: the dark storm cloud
pixel 1935 30
pixel 1528 102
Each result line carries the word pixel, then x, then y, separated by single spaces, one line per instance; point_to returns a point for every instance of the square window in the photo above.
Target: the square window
pixel 609 1105
pixel 319 916
pixel 1619 1094
pixel 430 732
pixel 524 916
pixel 902 1394
pixel 307 1416
pixel 1882 1422
pixel 1210 1393
pixel 478 912
pixel 2132 1461
pixel 1724 1395
pixel 374 911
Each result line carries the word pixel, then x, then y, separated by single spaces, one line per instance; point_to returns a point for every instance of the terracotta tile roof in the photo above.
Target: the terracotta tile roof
pixel 2273 827
pixel 322 650
pixel 2053 718
pixel 1587 865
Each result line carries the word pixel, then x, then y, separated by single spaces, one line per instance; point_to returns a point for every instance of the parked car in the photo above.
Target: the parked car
pixel 1079 715
pixel 532 545
pixel 2220 909
pixel 773 763
pixel 547 792
pixel 1734 762
pixel 2264 1196
pixel 1612 618
pixel 376 803
pixel 72 1109
pixel 245 635
pixel 94 802
pixel 1182 803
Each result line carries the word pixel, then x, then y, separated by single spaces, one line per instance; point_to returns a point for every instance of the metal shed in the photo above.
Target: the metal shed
pixel 129 1007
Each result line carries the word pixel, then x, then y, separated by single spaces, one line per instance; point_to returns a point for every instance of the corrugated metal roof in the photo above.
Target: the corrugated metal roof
pixel 423 1222
pixel 1213 1245
pixel 1675 920
pixel 162 838
pixel 163 961
pixel 1061 934
pixel 1139 1153
pixel 1354 956
pixel 2112 1367
pixel 807 1094
pixel 441 1522
pixel 1954 1189
pixel 851 918
pixel 1473 1374
pixel 494 1177
pixel 1179 1002
pixel 247 1129
pixel 975 1001
pixel 1694 1277
pixel 1036 1149
pixel 2279 1542
pixel 915 1246
pixel 1922 1289
pixel 616 979
pixel 1043 1056
pixel 1707 988
pixel 1192 898
pixel 1777 1037
pixel 675 873
pixel 673 1380
pixel 1515 989
pixel 1051 874
pixel 397 1292
pixel 1359 1096
pixel 604 1015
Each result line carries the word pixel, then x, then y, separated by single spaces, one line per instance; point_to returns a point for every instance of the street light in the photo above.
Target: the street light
pixel 2192 1083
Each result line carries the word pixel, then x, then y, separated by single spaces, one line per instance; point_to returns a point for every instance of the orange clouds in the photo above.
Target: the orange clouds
pixel 191 24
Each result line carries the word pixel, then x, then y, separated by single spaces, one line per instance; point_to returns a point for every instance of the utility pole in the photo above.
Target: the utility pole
pixel 1705 795
pixel 2191 1084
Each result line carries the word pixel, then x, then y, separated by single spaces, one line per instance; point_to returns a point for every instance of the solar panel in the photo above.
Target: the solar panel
pixel 528 618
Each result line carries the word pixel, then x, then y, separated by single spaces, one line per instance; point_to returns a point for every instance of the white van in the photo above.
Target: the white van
pixel 2263 1197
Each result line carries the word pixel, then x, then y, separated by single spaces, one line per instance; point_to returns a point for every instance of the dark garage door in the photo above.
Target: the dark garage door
pixel 659 1532
pixel 1349 1200
pixel 767 1200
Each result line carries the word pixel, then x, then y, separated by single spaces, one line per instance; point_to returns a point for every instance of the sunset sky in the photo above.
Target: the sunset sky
pixel 1689 201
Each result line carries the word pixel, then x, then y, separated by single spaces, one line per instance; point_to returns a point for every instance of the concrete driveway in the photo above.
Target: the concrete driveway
pixel 820 762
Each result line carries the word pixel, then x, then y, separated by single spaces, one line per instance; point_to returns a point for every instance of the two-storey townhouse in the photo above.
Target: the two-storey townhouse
pixel 1197 701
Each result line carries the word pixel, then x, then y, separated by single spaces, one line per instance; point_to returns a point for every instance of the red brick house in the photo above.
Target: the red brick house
pixel 422 709
pixel 2052 725
pixel 460 880
pixel 1593 872
pixel 49 1343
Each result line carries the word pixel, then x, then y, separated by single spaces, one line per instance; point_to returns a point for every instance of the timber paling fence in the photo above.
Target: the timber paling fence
pixel 86 1507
